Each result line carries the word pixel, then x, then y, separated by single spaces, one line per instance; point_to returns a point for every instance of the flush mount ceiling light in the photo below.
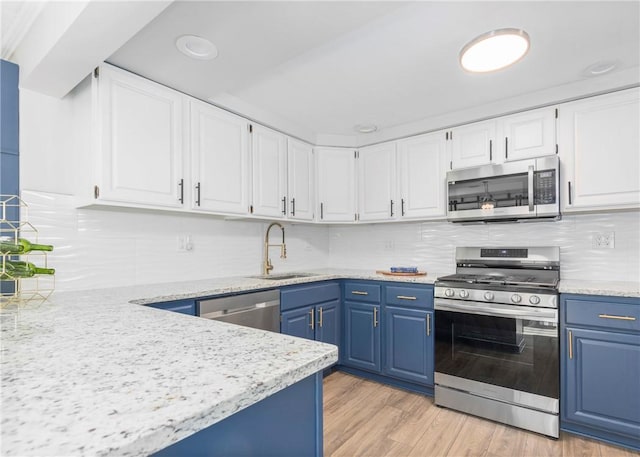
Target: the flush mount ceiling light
pixel 494 50
pixel 196 47
pixel 600 68
pixel 366 128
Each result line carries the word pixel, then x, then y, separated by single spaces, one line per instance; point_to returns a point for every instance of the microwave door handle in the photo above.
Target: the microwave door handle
pixel 530 186
pixel 488 309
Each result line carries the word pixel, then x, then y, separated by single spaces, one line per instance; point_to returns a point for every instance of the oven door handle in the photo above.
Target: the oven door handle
pixel 498 310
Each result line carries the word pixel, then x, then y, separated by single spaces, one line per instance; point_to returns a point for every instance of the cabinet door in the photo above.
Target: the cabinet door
pixel 409 344
pixel 301 180
pixel 362 336
pixel 299 322
pixel 328 322
pixel 601 387
pixel 376 182
pixel 335 169
pixel 269 166
pixel 141 141
pixel 219 160
pixel 528 134
pixel 599 140
pixel 472 144
pixel 422 176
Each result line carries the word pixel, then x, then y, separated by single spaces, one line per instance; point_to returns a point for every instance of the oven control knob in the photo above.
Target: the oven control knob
pixel 534 299
pixel 488 296
pixel 448 293
pixel 516 298
pixel 463 294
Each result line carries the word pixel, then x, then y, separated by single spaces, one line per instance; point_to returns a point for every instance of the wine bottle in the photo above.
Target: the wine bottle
pixel 7 246
pixel 20 269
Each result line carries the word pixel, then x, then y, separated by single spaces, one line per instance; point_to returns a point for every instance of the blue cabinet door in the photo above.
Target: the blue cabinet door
pixel 328 322
pixel 362 335
pixel 602 381
pixel 298 322
pixel 177 306
pixel 409 344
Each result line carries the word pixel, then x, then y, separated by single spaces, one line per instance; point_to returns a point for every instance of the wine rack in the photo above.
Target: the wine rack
pixel 14 224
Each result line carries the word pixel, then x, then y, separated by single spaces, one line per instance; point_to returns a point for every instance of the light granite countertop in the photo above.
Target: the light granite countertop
pixel 611 288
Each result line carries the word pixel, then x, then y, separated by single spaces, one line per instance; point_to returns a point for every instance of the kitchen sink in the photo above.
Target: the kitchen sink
pixel 282 276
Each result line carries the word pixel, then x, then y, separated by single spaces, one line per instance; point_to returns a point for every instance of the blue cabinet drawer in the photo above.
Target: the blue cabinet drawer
pixel 607 312
pixel 413 296
pixel 306 295
pixel 359 291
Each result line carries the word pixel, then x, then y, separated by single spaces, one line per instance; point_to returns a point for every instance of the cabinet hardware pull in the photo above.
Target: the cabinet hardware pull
pixel 375 317
pixel 181 186
pixel 490 150
pixel 402 206
pixel 428 324
pixel 391 208
pixel 198 194
pixel 320 317
pixel 569 192
pixel 358 292
pixel 293 206
pixel 570 345
pixel 284 206
pixel 506 147
pixel 321 210
pixel 312 319
pixel 620 318
pixel 406 297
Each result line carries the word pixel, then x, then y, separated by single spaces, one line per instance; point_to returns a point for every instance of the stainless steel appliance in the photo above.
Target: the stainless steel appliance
pixel 496 336
pixel 258 309
pixel 519 190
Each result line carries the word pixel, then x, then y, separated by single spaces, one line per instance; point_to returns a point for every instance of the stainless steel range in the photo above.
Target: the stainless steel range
pixel 496 332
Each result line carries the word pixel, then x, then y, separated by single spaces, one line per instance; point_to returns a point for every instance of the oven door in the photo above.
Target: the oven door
pixel 505 352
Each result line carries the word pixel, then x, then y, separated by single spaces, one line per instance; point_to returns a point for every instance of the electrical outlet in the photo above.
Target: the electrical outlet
pixel 182 243
pixel 603 240
pixel 389 245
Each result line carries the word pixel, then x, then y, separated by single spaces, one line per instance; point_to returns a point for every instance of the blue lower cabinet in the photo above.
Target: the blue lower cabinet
pixel 298 322
pixel 259 430
pixel 409 344
pixel 177 306
pixel 362 336
pixel 600 370
pixel 328 322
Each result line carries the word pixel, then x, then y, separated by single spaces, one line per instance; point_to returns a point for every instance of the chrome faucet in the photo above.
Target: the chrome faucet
pixel 266 264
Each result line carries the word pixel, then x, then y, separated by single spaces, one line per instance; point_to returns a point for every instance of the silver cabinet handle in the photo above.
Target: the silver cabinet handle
pixel 428 324
pixel 490 150
pixel 312 324
pixel 620 318
pixel 359 292
pixel 570 345
pixel 406 297
pixel 320 317
pixel 375 317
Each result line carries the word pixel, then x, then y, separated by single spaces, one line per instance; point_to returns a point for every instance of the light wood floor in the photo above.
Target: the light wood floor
pixel 364 418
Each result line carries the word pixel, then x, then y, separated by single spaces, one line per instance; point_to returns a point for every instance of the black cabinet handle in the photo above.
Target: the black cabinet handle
pixel 321 211
pixel 284 205
pixel 181 186
pixel 198 194
pixel 402 206
pixel 569 192
pixel 506 147
pixel 490 150
pixel 391 208
pixel 293 206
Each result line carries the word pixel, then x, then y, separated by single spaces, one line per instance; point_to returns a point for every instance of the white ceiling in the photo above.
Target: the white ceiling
pixel 319 68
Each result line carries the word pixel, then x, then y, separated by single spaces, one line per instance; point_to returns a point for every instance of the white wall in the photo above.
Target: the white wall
pixel 431 245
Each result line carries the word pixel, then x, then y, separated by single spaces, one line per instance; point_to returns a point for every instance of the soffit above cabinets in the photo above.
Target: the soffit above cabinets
pixel 319 68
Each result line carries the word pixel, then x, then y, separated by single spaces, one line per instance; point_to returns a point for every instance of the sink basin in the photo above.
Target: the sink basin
pixel 281 276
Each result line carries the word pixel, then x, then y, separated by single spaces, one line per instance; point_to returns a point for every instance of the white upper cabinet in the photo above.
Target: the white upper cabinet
pixel 336 183
pixel 219 160
pixel 301 180
pixel 140 143
pixel 422 167
pixel 269 170
pixel 528 134
pixel 599 148
pixel 472 144
pixel 376 182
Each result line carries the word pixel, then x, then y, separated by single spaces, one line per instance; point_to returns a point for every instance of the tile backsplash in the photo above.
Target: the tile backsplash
pixel 103 247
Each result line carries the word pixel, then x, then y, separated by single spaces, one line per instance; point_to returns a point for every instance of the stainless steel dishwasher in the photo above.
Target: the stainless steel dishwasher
pixel 258 309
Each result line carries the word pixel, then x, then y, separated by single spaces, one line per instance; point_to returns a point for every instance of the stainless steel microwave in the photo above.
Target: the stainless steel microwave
pixel 520 190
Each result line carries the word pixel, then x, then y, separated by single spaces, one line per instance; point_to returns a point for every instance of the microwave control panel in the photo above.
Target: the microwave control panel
pixel 545 187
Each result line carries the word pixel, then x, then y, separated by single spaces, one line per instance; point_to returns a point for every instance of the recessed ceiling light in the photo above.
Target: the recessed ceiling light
pixel 600 68
pixel 494 50
pixel 196 47
pixel 366 128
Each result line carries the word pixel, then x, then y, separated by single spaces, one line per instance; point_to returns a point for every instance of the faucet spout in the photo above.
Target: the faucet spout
pixel 266 264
